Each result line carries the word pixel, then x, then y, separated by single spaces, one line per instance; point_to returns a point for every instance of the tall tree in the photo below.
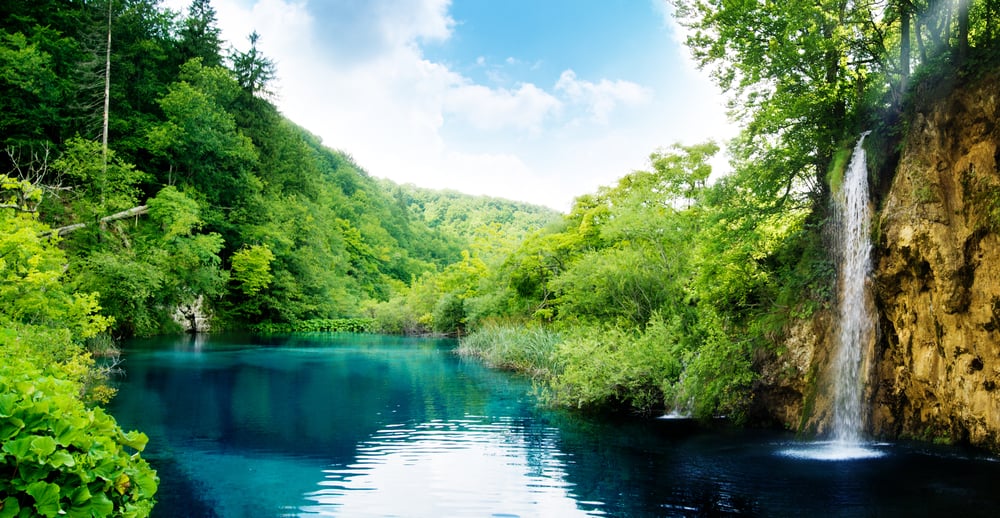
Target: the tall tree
pixel 254 71
pixel 200 34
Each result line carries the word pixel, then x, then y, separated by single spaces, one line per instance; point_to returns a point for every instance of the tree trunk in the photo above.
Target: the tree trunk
pixel 962 49
pixel 904 44
pixel 134 211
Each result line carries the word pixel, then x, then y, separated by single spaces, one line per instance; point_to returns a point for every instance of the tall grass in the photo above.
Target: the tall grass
pixel 530 350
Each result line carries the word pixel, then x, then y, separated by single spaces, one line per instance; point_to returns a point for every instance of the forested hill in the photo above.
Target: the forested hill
pixel 465 216
pixel 235 210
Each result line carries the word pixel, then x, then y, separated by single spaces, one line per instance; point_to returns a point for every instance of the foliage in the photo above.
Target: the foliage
pixel 515 347
pixel 251 267
pixel 614 367
pixel 31 269
pixel 59 457
pixel 334 325
pixel 165 263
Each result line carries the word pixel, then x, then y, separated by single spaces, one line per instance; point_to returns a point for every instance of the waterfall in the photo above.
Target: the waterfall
pixel 855 323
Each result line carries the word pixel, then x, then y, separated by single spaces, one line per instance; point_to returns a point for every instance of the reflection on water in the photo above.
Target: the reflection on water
pixel 471 466
pixel 362 425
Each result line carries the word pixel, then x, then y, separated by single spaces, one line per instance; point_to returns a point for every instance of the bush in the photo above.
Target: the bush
pixel 316 325
pixel 60 457
pixel 618 368
pixel 395 317
pixel 449 314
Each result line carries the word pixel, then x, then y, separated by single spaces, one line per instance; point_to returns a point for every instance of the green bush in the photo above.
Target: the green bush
pixel 718 373
pixel 618 368
pixel 449 314
pixel 316 325
pixel 60 457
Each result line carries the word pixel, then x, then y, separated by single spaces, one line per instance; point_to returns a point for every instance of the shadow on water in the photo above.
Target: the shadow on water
pixel 361 425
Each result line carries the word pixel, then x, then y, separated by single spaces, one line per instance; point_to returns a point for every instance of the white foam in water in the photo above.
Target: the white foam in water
pixel 832 451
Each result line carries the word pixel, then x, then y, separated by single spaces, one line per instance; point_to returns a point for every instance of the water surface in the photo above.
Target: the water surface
pixel 366 425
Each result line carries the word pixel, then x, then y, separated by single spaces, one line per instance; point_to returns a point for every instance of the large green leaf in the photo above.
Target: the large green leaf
pixel 43 446
pixel 9 508
pixel 46 497
pixel 19 448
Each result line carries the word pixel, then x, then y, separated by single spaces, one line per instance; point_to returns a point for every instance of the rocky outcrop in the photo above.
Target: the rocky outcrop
pixel 193 317
pixel 793 389
pixel 937 364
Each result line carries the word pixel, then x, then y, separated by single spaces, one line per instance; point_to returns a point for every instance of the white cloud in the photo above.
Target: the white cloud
pixel 524 108
pixel 601 98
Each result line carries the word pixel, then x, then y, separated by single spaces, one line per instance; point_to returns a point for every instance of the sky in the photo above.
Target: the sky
pixel 538 101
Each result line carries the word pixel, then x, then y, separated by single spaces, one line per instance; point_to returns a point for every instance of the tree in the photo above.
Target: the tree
pixel 794 71
pixel 200 35
pixel 199 144
pixel 254 72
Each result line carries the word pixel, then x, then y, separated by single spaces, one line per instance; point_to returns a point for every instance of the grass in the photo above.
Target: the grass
pixel 518 348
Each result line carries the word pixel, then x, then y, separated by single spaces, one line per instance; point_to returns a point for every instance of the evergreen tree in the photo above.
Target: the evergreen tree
pixel 200 35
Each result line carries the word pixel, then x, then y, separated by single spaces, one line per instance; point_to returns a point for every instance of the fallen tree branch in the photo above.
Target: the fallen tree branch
pixel 134 211
pixel 16 207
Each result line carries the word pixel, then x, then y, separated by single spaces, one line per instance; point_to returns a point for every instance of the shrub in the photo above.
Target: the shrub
pixel 618 368
pixel 60 457
pixel 316 325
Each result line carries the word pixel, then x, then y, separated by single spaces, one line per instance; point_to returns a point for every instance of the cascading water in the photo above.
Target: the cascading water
pixel 855 326
pixel 855 322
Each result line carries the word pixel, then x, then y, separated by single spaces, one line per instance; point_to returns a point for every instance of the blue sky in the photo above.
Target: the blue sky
pixel 538 101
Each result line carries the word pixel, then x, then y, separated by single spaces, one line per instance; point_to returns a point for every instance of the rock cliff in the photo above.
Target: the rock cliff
pixel 933 370
pixel 936 369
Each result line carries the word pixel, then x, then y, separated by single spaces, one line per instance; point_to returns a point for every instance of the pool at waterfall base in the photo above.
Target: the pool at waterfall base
pixel 369 425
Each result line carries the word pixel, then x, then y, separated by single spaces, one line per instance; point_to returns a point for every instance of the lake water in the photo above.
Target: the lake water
pixel 367 425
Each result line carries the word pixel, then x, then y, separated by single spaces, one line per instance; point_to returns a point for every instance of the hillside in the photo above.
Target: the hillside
pixel 237 215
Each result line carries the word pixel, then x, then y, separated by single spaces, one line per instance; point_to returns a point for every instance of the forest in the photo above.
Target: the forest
pixel 149 182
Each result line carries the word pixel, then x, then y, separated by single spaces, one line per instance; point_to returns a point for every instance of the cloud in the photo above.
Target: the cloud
pixel 525 108
pixel 601 98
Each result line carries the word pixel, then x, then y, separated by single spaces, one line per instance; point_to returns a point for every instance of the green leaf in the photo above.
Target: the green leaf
pixel 134 439
pixel 19 448
pixel 61 458
pixel 81 495
pixel 10 427
pixel 8 402
pixel 103 506
pixel 9 508
pixel 65 432
pixel 46 498
pixel 43 446
pixel 147 481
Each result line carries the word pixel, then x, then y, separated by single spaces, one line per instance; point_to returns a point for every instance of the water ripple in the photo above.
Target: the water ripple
pixel 474 466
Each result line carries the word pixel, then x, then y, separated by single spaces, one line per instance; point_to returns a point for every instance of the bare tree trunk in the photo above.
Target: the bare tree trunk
pixel 904 44
pixel 107 106
pixel 134 211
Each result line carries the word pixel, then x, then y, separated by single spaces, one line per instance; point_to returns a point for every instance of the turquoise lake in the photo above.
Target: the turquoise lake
pixel 369 425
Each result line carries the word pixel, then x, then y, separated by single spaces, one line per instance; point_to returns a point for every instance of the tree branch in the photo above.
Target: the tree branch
pixel 134 211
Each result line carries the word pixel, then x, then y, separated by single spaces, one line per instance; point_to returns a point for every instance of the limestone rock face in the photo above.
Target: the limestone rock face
pixel 193 317
pixel 937 280
pixel 793 390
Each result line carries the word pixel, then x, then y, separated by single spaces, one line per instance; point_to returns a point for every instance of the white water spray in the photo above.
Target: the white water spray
pixel 855 325
pixel 853 217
